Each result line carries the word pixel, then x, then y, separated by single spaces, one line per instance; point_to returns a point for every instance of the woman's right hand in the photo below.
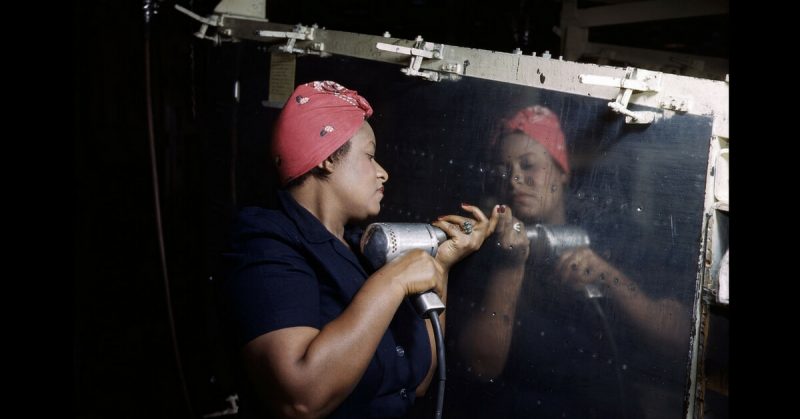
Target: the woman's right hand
pixel 512 242
pixel 415 271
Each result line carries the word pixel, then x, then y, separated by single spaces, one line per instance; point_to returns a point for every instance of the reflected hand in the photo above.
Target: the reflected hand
pixel 510 237
pixel 581 266
pixel 464 239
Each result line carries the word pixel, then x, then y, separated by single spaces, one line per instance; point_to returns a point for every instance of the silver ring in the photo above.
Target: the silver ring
pixel 467 227
pixel 517 227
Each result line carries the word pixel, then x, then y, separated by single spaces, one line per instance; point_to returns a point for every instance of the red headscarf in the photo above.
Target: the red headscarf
pixel 316 120
pixel 541 124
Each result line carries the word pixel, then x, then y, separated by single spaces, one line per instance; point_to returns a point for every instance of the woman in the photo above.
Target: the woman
pixel 321 335
pixel 538 332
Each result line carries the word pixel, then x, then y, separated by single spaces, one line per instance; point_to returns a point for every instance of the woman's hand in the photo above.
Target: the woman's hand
pixel 414 271
pixel 510 237
pixel 464 239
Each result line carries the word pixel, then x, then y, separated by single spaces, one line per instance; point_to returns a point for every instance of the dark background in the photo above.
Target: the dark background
pixel 124 350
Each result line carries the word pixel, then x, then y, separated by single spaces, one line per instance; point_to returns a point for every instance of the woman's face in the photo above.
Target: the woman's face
pixel 532 184
pixel 359 178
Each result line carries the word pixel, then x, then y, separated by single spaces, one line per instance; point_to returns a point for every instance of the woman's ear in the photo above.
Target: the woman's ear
pixel 327 166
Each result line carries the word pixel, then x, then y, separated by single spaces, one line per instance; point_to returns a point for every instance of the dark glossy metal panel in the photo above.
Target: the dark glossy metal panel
pixel 636 190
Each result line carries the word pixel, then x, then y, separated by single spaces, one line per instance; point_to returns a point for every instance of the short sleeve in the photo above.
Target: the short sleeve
pixel 270 286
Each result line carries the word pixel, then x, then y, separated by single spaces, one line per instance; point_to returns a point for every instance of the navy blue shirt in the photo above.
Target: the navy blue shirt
pixel 286 270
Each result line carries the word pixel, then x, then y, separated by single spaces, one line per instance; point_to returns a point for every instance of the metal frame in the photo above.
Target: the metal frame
pixel 707 97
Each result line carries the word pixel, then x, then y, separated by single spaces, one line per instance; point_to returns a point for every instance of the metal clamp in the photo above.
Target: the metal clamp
pixel 635 79
pixel 232 27
pixel 420 51
pixel 212 20
pixel 300 33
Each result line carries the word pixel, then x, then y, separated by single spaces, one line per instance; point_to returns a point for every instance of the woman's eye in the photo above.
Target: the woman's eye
pixel 501 171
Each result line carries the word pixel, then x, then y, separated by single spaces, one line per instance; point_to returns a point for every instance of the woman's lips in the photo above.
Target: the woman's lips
pixel 519 195
pixel 524 199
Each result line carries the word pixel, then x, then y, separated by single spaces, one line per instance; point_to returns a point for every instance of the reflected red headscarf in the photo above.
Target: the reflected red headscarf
pixel 316 120
pixel 541 124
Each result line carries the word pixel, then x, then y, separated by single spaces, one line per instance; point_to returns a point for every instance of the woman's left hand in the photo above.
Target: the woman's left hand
pixel 465 235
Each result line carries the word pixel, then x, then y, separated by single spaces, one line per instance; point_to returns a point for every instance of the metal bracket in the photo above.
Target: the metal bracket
pixel 227 31
pixel 420 51
pixel 635 79
pixel 300 33
pixel 212 20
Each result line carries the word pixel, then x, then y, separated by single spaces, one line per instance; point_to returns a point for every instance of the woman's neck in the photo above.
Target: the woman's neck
pixel 556 216
pixel 325 208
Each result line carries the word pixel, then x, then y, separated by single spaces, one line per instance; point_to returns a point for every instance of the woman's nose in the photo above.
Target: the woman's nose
pixel 382 173
pixel 515 176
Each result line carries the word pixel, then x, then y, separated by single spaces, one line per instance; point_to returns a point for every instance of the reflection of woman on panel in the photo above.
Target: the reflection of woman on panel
pixel 318 332
pixel 531 161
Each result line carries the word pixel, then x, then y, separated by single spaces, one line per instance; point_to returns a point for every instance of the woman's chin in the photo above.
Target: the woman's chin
pixel 373 212
pixel 526 214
